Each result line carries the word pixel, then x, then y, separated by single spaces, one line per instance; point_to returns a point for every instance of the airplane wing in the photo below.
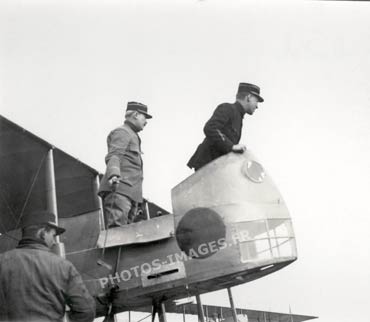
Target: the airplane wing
pixel 23 158
pixel 224 314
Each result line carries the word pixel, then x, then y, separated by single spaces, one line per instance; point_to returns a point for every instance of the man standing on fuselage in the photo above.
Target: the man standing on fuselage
pixel 121 186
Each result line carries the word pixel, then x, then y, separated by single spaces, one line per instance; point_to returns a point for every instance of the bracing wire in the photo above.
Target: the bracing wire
pixel 31 188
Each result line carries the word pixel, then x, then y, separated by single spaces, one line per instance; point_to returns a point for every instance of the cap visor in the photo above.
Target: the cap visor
pixel 260 99
pixel 59 230
pixel 147 115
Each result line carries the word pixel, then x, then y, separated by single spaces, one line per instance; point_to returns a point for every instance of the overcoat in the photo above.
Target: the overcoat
pixel 124 160
pixel 222 130
pixel 35 285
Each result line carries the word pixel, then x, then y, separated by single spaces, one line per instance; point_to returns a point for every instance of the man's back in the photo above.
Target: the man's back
pixel 35 285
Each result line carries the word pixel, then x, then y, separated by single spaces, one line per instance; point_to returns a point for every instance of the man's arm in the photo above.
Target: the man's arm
pixel 117 145
pixel 214 126
pixel 78 298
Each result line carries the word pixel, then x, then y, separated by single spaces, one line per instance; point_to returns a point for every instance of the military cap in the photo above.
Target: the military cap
pixel 250 88
pixel 41 217
pixel 138 107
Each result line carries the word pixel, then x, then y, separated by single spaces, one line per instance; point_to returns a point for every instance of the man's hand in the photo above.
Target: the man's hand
pixel 113 180
pixel 239 148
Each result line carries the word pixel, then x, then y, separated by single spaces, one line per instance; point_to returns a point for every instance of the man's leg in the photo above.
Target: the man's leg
pixel 133 212
pixel 116 209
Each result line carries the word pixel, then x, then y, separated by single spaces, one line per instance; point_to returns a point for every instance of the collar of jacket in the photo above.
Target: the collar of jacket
pixel 33 243
pixel 132 126
pixel 240 108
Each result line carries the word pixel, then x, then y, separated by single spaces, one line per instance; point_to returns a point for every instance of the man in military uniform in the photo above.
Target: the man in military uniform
pixel 121 185
pixel 223 130
pixel 35 284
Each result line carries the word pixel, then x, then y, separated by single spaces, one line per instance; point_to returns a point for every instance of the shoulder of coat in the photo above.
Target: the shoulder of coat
pixel 122 128
pixel 225 106
pixel 59 261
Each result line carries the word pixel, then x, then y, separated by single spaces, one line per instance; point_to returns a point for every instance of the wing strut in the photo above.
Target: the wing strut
pixel 200 308
pixel 51 199
pixel 232 304
pixel 159 307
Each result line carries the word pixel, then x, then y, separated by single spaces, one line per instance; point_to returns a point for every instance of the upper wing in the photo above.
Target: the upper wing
pixel 24 174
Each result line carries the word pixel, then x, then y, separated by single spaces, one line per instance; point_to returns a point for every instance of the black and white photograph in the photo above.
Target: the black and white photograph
pixel 184 160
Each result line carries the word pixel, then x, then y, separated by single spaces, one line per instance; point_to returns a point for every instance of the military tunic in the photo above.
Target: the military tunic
pixel 222 130
pixel 124 160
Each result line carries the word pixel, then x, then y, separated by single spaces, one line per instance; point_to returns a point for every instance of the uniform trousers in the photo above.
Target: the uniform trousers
pixel 119 210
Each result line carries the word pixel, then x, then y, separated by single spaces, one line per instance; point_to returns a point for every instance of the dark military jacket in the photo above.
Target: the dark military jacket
pixel 222 130
pixel 35 285
pixel 124 160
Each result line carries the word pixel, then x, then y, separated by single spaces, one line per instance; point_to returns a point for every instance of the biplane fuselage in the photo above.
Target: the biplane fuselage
pixel 229 226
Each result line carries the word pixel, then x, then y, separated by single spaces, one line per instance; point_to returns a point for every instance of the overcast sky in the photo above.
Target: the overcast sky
pixel 68 68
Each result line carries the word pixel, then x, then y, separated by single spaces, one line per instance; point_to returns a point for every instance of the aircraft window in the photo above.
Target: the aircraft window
pixel 262 229
pixel 253 229
pixel 266 239
pixel 248 251
pixel 283 247
pixel 265 249
pixel 253 171
pixel 255 250
pixel 280 228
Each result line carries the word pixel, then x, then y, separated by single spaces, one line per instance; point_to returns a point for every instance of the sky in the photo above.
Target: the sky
pixel 68 68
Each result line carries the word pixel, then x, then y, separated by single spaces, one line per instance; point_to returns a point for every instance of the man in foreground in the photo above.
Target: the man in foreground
pixel 35 284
